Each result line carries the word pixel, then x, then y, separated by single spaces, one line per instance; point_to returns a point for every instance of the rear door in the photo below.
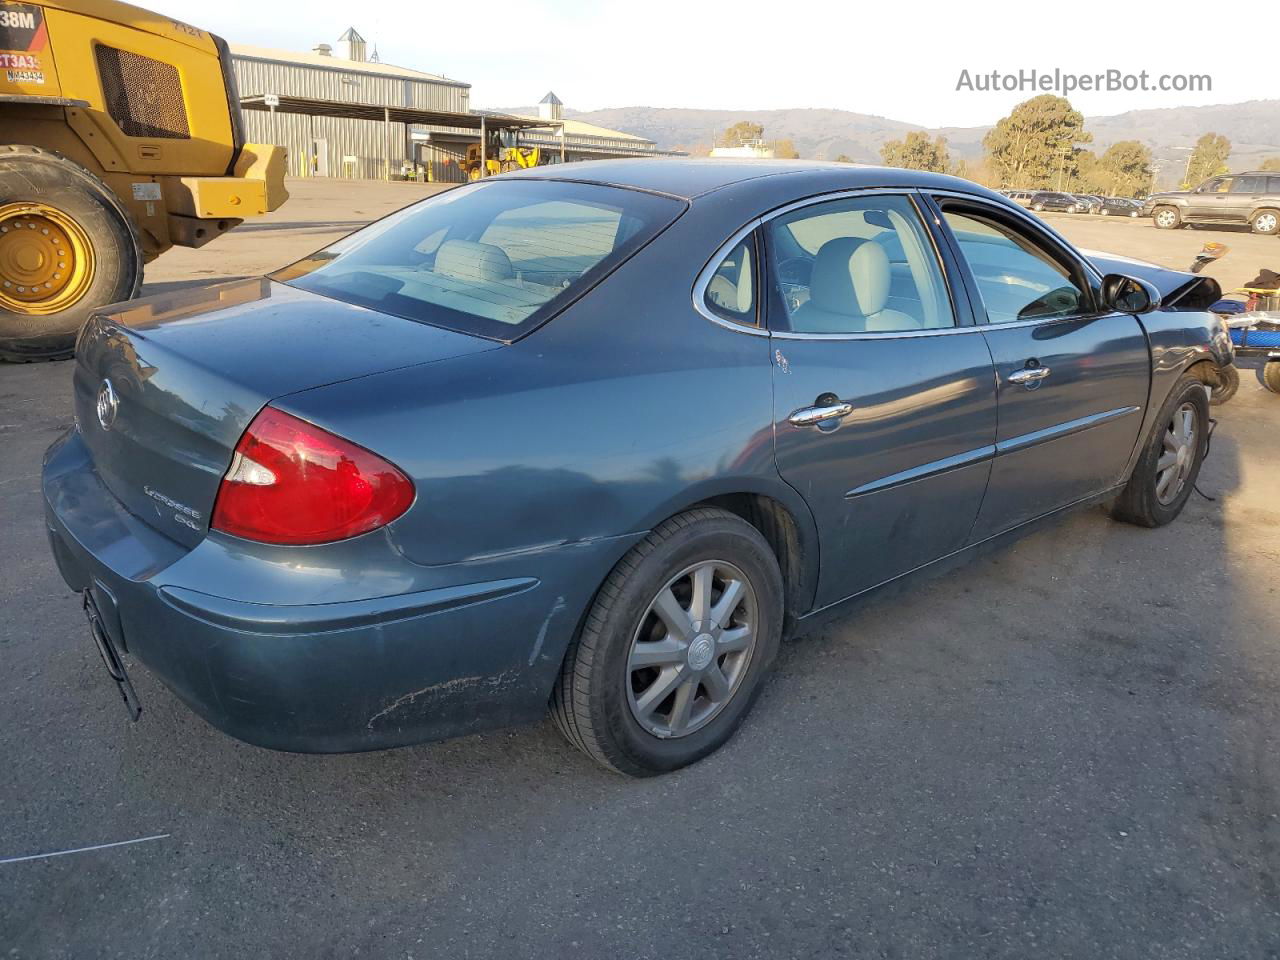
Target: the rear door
pixel 1072 381
pixel 884 399
pixel 1245 195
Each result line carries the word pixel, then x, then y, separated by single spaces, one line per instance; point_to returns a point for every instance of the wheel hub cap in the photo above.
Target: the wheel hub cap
pixel 692 649
pixel 46 259
pixel 701 651
pixel 1177 454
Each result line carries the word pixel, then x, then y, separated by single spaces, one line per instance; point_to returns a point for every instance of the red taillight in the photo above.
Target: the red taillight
pixel 291 482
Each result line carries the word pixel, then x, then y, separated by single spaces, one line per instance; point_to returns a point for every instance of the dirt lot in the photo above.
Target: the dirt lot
pixel 1069 749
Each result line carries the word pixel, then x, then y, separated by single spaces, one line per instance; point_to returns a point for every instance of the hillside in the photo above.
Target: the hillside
pixel 1252 127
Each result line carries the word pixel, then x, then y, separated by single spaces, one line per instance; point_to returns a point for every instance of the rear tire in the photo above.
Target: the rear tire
pixel 1266 222
pixel 1271 376
pixel 619 696
pixel 1166 218
pixel 1153 496
pixel 58 200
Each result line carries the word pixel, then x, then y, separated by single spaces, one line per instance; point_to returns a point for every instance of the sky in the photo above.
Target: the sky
pixel 901 60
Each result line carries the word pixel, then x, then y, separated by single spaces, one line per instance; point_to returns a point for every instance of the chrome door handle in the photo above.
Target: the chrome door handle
pixel 1028 375
pixel 809 416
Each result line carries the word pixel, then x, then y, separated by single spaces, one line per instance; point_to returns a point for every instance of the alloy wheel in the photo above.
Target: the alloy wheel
pixel 1178 454
pixel 1265 223
pixel 1166 218
pixel 691 651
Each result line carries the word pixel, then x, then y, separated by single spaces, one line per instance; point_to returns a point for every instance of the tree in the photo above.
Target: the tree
pixel 1272 163
pixel 1208 159
pixel 785 150
pixel 744 131
pixel 1034 146
pixel 1124 170
pixel 844 158
pixel 917 152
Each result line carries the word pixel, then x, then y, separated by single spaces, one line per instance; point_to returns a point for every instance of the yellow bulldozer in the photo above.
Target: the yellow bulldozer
pixel 120 136
pixel 499 160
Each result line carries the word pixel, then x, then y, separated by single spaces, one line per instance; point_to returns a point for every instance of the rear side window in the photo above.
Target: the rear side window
pixel 858 265
pixel 1249 185
pixel 491 259
pixel 731 292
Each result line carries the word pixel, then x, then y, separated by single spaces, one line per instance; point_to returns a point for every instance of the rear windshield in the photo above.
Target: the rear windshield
pixel 493 259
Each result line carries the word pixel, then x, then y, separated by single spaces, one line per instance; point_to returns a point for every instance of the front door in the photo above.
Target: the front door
pixel 884 398
pixel 1215 202
pixel 320 157
pixel 1072 381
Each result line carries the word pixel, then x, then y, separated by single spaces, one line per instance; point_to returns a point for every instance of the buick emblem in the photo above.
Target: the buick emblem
pixel 108 405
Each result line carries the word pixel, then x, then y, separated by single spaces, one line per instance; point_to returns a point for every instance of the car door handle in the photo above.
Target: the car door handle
pixel 1028 375
pixel 810 416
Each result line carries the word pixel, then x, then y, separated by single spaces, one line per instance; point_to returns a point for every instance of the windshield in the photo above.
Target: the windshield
pixel 493 259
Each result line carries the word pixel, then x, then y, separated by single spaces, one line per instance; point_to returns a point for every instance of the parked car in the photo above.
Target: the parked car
pixel 1048 200
pixel 1119 207
pixel 1021 197
pixel 597 435
pixel 1088 203
pixel 1252 198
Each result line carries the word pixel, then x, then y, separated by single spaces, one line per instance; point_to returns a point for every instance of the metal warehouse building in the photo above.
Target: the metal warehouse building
pixel 338 146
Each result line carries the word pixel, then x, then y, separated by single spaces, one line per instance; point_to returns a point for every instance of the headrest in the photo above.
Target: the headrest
pixel 869 267
pixel 831 285
pixel 473 262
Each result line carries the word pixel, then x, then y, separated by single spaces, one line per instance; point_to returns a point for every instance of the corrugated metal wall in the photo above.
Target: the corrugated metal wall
pixel 351 148
pixel 326 83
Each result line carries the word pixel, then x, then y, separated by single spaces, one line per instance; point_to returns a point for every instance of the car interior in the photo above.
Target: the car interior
pixel 488 254
pixel 857 267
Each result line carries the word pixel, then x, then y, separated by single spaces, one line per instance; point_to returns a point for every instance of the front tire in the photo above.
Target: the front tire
pixel 1166 218
pixel 66 249
pixel 1170 463
pixel 676 646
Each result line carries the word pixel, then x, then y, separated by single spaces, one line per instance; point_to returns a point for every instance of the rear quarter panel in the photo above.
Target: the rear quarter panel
pixel 620 412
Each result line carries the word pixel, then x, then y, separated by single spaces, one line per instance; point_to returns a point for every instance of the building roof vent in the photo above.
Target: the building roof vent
pixel 323 49
pixel 550 107
pixel 351 46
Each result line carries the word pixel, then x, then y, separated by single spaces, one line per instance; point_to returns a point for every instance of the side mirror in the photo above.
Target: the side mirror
pixel 1123 294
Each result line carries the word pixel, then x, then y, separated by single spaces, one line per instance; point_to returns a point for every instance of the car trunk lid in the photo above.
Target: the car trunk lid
pixel 164 387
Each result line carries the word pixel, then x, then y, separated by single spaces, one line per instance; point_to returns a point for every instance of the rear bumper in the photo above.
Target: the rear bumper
pixel 477 648
pixel 256 187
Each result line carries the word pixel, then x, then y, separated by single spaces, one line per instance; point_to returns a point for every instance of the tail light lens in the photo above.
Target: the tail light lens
pixel 292 483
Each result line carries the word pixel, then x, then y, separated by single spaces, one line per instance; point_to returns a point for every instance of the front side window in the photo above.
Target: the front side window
pixel 731 291
pixel 491 259
pixel 860 265
pixel 1018 280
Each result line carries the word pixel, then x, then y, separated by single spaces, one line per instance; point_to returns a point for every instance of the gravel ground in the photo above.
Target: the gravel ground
pixel 1067 749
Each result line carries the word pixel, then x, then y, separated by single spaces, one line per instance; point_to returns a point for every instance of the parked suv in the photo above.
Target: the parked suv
pixel 1252 198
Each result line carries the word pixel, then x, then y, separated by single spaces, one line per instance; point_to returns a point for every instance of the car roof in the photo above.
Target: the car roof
pixel 689 178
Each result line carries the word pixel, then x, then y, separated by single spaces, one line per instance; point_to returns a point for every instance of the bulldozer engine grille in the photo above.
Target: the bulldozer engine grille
pixel 144 96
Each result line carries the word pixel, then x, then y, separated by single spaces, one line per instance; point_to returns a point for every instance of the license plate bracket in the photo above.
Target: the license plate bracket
pixel 111 657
